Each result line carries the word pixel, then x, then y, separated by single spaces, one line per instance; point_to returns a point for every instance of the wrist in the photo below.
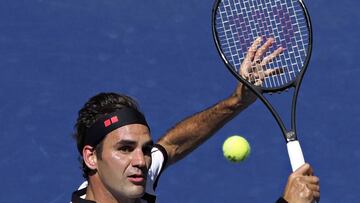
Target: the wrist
pixel 233 104
pixel 242 97
pixel 239 102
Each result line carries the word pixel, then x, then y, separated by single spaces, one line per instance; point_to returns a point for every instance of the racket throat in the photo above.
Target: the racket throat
pixel 290 136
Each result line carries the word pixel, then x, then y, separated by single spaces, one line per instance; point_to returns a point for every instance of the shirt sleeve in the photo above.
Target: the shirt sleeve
pixel 281 200
pixel 159 159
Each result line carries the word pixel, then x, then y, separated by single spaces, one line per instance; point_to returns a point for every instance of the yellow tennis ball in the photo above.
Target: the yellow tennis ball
pixel 236 148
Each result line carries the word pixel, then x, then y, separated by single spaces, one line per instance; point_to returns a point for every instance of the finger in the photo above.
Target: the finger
pixel 257 71
pixel 273 71
pixel 303 170
pixel 245 75
pixel 246 65
pixel 311 179
pixel 312 196
pixel 251 71
pixel 270 57
pixel 311 172
pixel 316 195
pixel 261 51
pixel 314 187
pixel 252 78
pixel 306 193
pixel 258 82
pixel 245 69
pixel 252 50
pixel 260 73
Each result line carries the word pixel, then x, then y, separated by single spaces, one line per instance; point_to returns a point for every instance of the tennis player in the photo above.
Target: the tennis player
pixel 121 163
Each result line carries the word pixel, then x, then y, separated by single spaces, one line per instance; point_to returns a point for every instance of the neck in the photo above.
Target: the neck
pixel 96 191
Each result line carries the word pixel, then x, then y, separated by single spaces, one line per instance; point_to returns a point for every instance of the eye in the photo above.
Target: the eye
pixel 126 149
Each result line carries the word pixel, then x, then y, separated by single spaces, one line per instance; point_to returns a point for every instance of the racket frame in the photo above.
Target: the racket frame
pixel 290 136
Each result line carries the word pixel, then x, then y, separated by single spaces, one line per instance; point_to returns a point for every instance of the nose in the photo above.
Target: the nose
pixel 138 159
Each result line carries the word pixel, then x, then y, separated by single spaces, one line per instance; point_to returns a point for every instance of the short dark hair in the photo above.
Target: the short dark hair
pixel 97 106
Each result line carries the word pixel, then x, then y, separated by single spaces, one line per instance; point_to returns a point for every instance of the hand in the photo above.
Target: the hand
pixel 253 69
pixel 302 186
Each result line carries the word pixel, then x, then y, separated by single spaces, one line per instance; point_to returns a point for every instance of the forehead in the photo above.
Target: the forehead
pixel 133 132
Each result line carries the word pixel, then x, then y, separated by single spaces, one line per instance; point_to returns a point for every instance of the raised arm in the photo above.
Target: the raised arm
pixel 194 130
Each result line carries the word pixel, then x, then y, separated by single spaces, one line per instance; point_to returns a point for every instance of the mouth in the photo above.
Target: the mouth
pixel 137 179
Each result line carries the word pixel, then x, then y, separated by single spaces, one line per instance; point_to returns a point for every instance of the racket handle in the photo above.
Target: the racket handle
pixel 295 154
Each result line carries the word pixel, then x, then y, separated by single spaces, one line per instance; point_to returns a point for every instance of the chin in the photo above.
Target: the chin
pixel 136 192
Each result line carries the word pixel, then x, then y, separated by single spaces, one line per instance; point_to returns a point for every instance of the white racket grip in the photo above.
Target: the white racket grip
pixel 295 154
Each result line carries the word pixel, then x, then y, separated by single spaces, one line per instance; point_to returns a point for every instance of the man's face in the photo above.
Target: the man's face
pixel 126 158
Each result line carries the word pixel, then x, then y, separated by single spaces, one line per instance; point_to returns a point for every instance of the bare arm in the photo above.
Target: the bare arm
pixel 193 131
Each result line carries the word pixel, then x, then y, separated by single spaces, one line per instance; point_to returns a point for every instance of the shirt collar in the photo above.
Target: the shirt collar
pixel 77 197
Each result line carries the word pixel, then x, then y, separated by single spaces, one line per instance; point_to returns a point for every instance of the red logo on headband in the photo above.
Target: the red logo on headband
pixel 110 121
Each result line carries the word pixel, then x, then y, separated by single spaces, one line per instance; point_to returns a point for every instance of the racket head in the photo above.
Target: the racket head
pixel 237 23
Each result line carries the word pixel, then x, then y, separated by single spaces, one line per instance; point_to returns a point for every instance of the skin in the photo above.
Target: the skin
pixel 112 180
pixel 302 186
pixel 122 170
pixel 253 67
pixel 193 131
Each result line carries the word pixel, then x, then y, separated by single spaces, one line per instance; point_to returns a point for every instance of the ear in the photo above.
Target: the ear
pixel 89 157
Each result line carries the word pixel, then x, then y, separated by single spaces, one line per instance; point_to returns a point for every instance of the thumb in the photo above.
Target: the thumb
pixel 305 169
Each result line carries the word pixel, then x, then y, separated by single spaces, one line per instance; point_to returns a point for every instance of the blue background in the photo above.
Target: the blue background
pixel 55 54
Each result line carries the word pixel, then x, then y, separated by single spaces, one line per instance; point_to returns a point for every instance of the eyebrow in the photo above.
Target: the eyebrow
pixel 131 142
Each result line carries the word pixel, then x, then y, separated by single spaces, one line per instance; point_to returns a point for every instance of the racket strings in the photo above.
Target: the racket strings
pixel 265 23
pixel 238 23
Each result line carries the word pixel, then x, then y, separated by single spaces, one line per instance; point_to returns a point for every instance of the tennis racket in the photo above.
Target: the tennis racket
pixel 238 28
